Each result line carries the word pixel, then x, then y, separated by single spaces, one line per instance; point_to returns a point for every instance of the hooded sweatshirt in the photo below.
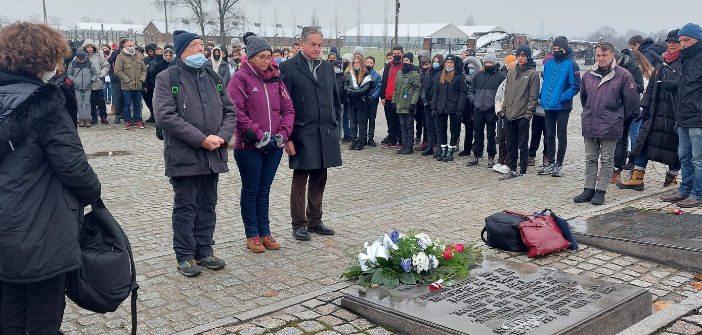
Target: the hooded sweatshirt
pixel 99 62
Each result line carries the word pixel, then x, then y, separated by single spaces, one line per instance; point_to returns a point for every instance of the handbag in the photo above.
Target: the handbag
pixel 563 226
pixel 503 232
pixel 541 234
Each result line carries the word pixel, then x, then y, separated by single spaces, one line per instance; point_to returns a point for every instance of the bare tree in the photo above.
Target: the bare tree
pixel 227 12
pixel 470 21
pixel 85 19
pixel 167 7
pixel 631 32
pixel 123 21
pixel 35 18
pixel 315 18
pixel 336 23
pixel 386 15
pixel 607 33
pixel 53 20
pixel 198 11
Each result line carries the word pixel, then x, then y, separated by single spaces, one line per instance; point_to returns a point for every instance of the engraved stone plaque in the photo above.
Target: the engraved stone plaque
pixel 510 298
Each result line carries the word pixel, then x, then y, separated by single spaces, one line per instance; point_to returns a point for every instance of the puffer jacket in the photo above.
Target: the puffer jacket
pixel 155 67
pixel 359 95
pixel 483 89
pixel 44 184
pixel 561 83
pixel 262 106
pixel 131 71
pixel 522 92
pixel 427 80
pixel 450 98
pixel 375 94
pixel 82 75
pixel 407 90
pixel 688 111
pixel 607 101
pixel 102 67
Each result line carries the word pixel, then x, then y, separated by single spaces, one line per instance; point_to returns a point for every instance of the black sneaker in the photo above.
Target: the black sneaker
pixel 473 161
pixel 372 143
pixel 211 262
pixel 321 229
pixel 347 138
pixel 491 162
pixel 189 268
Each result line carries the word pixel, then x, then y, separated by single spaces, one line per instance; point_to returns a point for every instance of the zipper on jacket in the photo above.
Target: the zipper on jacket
pixel 265 89
pixel 550 90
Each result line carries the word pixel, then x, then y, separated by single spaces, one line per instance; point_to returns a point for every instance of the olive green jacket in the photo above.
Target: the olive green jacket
pixel 131 71
pixel 407 91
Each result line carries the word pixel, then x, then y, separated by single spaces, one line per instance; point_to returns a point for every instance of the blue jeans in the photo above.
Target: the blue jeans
pixel 634 132
pixel 642 161
pixel 129 97
pixel 346 121
pixel 257 170
pixel 690 152
pixel 107 90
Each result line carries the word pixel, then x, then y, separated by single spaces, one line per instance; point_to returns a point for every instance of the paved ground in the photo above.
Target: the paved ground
pixel 375 191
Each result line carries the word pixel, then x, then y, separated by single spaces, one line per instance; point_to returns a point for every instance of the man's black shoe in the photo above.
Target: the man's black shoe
pixel 321 229
pixel 301 234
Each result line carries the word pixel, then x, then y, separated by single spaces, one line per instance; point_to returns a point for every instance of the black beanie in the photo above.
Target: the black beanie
pixel 561 41
pixel 181 40
pixel 410 56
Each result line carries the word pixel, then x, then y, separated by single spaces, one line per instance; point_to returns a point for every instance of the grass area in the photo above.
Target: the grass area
pixel 378 54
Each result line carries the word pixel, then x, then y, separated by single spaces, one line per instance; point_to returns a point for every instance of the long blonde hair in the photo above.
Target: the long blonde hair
pixel 447 76
pixel 361 71
pixel 646 67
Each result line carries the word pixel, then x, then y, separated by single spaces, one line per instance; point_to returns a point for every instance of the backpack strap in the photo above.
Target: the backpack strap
pixel 174 76
pixel 217 80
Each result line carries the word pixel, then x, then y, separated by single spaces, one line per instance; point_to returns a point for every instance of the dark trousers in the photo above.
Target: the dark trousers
pixel 345 118
pixel 468 125
pixel 97 103
pixel 481 121
pixel 556 126
pixel 503 152
pixel 407 129
pixel 620 152
pixel 359 123
pixel 430 127
pixel 194 216
pixel 517 132
pixel 538 129
pixel 257 170
pixel 419 121
pixel 442 125
pixel 372 113
pixel 117 100
pixel 35 309
pixel 148 99
pixel 393 122
pixel 307 184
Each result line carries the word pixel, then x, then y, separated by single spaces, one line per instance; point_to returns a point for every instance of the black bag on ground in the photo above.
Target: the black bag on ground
pixel 107 275
pixel 502 232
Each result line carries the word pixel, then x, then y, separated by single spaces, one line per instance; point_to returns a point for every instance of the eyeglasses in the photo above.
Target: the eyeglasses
pixel 264 58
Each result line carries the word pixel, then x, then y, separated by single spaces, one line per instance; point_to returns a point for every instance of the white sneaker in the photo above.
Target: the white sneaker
pixel 497 167
pixel 504 169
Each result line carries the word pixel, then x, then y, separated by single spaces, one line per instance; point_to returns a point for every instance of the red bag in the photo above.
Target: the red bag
pixel 541 234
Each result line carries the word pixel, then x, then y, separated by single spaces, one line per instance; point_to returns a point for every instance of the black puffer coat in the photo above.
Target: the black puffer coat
pixel 44 184
pixel 688 111
pixel 658 132
pixel 650 46
pixel 450 98
pixel 483 89
pixel 427 80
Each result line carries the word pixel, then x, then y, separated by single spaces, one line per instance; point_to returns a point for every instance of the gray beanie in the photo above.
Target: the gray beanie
pixel 347 57
pixel 425 53
pixel 255 45
pixel 359 50
pixel 236 43
pixel 490 57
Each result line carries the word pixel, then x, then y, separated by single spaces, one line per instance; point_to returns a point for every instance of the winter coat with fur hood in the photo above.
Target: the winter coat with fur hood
pixel 99 62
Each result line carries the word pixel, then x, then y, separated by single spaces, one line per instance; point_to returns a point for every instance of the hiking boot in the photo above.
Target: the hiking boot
pixel 636 181
pixel 616 175
pixel 81 123
pixel 690 202
pixel 449 154
pixel 670 179
pixel 444 152
pixel 586 196
pixel 189 268
pixel 103 119
pixel 598 198
pixel 428 151
pixel 139 124
pixel 372 143
pixel 353 145
pixel 464 153
pixel 255 245
pixel 557 171
pixel 473 161
pixel 270 243
pixel 510 175
pixel 546 169
pixel 491 162
pixel 675 197
pixel 532 161
pixel 359 145
pixel 127 125
pixel 437 152
pixel 93 120
pixel 211 262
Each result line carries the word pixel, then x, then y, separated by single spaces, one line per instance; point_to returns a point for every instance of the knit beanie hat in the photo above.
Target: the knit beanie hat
pixel 525 49
pixel 347 57
pixel 691 30
pixel 80 54
pixel 425 53
pixel 359 50
pixel 246 38
pixel 510 59
pixel 490 57
pixel 236 43
pixel 334 50
pixel 410 56
pixel 561 41
pixel 255 44
pixel 337 63
pixel 181 40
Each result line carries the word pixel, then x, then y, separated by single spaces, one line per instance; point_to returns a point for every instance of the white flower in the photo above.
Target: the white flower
pixel 420 261
pixel 372 252
pixel 433 262
pixel 423 240
pixel 387 242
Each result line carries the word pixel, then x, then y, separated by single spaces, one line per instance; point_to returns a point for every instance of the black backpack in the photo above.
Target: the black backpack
pixel 174 76
pixel 107 275
pixel 502 232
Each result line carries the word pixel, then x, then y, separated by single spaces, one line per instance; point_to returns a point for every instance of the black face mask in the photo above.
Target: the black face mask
pixel 397 58
pixel 559 55
pixel 237 60
pixel 216 57
pixel 344 65
pixel 106 52
pixel 158 58
pixel 489 69
pixel 407 67
pixel 369 68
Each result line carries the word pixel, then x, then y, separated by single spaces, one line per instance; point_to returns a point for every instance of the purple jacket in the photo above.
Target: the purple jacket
pixel 261 106
pixel 607 102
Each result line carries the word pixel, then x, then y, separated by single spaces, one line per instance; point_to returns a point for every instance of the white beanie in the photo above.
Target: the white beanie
pixel 359 50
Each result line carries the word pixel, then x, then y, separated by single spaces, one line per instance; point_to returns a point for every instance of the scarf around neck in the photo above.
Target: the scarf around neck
pixel 671 57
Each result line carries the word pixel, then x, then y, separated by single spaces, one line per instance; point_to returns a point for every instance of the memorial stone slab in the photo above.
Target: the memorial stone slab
pixel 508 298
pixel 674 240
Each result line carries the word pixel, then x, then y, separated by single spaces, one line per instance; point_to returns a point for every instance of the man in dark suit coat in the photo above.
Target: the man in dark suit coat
pixel 313 145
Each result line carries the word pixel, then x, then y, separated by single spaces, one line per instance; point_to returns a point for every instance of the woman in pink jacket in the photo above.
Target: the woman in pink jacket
pixel 265 119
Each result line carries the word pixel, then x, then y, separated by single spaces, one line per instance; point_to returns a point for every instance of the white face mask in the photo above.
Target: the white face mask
pixel 48 75
pixel 130 50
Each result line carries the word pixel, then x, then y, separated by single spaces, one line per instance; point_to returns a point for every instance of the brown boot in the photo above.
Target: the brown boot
pixel 270 243
pixel 531 161
pixel 636 181
pixel 670 179
pixel 88 123
pixel 675 197
pixel 616 175
pixel 81 123
pixel 255 244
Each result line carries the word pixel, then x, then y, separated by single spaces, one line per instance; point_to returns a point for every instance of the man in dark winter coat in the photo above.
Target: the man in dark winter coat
pixel 198 123
pixel 150 51
pixel 646 45
pixel 481 92
pixel 657 139
pixel 688 115
pixel 608 95
pixel 313 146
pixel 387 88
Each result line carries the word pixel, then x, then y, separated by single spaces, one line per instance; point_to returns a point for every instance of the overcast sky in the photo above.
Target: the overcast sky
pixel 566 17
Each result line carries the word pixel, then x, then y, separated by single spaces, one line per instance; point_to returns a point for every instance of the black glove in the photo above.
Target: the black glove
pixel 670 85
pixel 644 115
pixel 249 136
pixel 412 108
pixel 459 116
pixel 433 112
pixel 272 145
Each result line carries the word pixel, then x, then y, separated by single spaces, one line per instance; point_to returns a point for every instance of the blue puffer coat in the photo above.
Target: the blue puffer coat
pixel 561 83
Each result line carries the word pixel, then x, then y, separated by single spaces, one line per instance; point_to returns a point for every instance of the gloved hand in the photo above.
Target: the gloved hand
pixel 279 141
pixel 412 107
pixel 459 116
pixel 272 145
pixel 433 112
pixel 670 85
pixel 249 136
pixel 644 115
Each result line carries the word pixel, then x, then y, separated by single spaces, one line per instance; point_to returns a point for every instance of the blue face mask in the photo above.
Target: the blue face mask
pixel 448 70
pixel 435 65
pixel 471 71
pixel 337 70
pixel 196 61
pixel 278 60
pixel 356 68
